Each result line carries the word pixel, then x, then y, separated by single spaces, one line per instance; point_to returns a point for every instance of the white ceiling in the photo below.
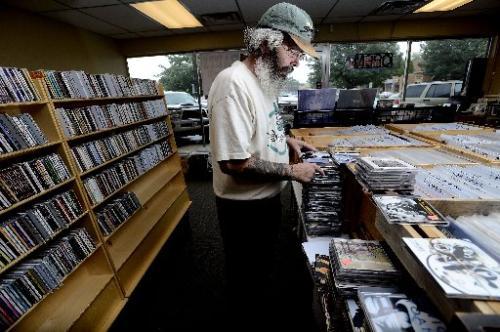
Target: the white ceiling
pixel 116 19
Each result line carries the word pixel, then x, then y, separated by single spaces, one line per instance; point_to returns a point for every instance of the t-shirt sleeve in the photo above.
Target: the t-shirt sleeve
pixel 231 127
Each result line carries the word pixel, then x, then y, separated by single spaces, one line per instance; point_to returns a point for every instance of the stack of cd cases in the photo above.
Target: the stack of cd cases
pixel 322 197
pixel 357 263
pixel 381 174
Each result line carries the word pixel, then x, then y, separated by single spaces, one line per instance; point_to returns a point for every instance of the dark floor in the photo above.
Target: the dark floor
pixel 184 289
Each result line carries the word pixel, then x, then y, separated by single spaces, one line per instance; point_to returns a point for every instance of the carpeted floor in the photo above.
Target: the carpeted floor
pixel 184 289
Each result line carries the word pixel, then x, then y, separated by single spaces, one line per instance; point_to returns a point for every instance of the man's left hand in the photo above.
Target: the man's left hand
pixel 296 147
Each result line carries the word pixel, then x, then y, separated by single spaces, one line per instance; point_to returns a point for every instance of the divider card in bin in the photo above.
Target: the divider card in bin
pixel 317 100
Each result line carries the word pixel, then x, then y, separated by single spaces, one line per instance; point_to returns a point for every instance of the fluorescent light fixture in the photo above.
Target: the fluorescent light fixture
pixel 169 13
pixel 441 5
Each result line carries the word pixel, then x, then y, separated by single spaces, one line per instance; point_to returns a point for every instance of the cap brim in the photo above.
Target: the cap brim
pixel 305 46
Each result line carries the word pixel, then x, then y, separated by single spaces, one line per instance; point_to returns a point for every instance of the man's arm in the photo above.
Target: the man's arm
pixel 257 169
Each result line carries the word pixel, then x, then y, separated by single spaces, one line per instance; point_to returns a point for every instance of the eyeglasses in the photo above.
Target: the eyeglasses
pixel 294 52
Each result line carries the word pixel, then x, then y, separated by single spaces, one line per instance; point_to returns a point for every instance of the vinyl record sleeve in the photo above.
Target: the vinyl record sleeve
pixel 386 164
pixel 356 255
pixel 388 310
pixel 460 268
pixel 408 210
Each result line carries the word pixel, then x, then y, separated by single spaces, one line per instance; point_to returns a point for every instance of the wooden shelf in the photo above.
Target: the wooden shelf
pixel 136 266
pixel 92 295
pixel 32 198
pixel 59 310
pixel 155 181
pixel 107 237
pixel 20 105
pixel 123 156
pixel 28 151
pixel 108 130
pixel 104 100
pixel 14 326
pixel 125 243
pixel 129 183
pixel 101 313
pixel 32 250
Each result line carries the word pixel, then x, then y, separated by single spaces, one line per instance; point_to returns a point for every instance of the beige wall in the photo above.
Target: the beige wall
pixel 34 42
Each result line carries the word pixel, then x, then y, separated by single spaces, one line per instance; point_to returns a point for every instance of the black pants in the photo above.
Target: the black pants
pixel 250 233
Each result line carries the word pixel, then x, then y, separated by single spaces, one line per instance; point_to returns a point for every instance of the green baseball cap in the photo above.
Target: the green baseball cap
pixel 293 20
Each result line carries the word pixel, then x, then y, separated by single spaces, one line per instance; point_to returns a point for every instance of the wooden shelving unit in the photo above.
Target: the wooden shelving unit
pixel 94 293
pixel 86 137
pixel 93 169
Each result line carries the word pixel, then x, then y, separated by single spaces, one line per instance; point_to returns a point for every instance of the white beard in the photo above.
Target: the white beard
pixel 271 82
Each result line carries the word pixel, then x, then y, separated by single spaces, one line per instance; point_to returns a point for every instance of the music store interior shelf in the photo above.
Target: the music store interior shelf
pixel 53 236
pixel 125 242
pixel 107 198
pixel 93 169
pixel 60 309
pixel 144 198
pixel 91 296
pixel 62 281
pixel 35 197
pixel 25 105
pixel 113 129
pixel 104 100
pixel 29 151
pixel 137 264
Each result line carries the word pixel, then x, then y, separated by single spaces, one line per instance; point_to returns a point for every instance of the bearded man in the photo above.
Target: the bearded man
pixel 250 151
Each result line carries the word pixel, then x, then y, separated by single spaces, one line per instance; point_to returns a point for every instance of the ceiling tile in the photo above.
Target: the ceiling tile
pixel 225 27
pixel 36 5
pixel 88 3
pixel 382 18
pixel 474 13
pixel 198 7
pixel 156 33
pixel 136 1
pixel 350 8
pixel 252 10
pixel 343 19
pixel 128 35
pixel 77 18
pixel 479 4
pixel 124 16
pixel 417 16
pixel 188 30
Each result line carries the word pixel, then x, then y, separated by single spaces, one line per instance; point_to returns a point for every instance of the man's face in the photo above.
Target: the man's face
pixel 288 56
pixel 273 65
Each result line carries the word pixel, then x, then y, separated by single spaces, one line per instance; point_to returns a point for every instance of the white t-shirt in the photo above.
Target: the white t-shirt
pixel 244 121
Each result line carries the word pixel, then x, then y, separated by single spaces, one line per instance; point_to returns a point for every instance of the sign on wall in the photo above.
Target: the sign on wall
pixel 370 61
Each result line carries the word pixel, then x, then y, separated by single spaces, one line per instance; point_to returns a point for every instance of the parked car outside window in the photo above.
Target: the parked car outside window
pixel 437 93
pixel 185 112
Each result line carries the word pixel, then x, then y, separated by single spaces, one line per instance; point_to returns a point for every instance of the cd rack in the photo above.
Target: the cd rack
pixel 96 289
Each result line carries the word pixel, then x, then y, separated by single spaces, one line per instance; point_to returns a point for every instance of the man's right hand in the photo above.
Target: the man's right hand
pixel 304 172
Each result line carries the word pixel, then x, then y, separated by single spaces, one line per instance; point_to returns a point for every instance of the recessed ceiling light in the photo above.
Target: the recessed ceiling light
pixel 441 5
pixel 169 13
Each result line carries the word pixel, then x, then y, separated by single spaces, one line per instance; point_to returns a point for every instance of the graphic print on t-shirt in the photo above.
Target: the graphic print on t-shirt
pixel 277 139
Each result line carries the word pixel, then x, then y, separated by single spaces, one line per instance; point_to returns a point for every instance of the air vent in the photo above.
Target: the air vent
pixel 220 18
pixel 398 7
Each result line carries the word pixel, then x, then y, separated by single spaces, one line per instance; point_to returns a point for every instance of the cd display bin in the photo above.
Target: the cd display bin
pixel 434 137
pixel 94 292
pixel 366 221
pixel 392 234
